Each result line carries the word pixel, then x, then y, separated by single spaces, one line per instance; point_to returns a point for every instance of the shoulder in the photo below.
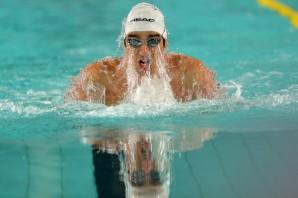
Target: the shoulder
pixel 194 75
pixel 185 63
pixel 107 64
pixel 99 73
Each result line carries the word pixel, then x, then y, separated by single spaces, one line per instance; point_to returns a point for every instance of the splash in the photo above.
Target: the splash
pixel 11 107
pixel 149 90
pixel 29 104
pixel 232 85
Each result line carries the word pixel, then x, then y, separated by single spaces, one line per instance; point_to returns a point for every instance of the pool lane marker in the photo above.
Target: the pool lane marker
pixel 282 9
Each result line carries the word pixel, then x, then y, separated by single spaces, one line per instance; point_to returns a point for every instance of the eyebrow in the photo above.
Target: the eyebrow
pixel 150 35
pixel 132 35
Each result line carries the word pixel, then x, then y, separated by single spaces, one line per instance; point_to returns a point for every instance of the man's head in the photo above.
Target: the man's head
pixel 145 17
pixel 144 37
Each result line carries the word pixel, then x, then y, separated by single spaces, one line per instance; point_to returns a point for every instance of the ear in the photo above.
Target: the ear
pixel 124 43
pixel 165 43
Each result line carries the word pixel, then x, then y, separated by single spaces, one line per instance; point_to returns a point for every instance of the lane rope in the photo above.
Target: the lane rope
pixel 281 9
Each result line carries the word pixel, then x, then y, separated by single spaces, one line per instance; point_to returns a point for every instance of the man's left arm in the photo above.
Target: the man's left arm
pixel 201 79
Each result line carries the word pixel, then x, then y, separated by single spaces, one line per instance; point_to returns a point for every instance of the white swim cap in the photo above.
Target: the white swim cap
pixel 145 17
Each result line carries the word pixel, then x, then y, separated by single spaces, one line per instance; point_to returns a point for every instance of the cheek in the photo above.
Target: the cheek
pixel 161 47
pixel 157 51
pixel 134 57
pixel 135 60
pixel 130 53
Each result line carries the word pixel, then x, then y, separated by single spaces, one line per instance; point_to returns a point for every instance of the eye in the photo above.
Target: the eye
pixel 134 42
pixel 154 41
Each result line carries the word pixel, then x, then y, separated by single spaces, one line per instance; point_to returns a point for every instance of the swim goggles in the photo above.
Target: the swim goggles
pixel 151 42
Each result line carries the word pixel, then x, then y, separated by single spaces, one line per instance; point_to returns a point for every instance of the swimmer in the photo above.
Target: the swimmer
pixel 144 56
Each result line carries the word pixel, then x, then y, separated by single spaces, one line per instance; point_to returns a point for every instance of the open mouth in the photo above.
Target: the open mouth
pixel 144 63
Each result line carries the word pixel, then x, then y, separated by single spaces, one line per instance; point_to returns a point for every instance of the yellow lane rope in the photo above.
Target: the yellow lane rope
pixel 281 9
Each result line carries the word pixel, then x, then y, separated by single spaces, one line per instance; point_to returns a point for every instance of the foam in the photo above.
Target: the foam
pixel 21 109
pixel 279 98
pixel 150 99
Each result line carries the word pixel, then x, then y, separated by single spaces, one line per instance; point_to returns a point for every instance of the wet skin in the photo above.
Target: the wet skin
pixel 106 81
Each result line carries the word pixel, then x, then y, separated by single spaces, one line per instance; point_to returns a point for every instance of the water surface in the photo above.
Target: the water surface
pixel 252 151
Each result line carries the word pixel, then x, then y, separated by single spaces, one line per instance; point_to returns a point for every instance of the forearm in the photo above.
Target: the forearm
pixel 75 91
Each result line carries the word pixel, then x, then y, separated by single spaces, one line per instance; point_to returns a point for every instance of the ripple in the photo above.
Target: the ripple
pixel 34 103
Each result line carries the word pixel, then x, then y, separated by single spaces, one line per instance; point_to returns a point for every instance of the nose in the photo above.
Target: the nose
pixel 144 51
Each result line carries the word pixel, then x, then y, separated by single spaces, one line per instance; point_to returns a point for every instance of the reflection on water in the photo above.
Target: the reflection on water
pixel 129 163
pixel 121 162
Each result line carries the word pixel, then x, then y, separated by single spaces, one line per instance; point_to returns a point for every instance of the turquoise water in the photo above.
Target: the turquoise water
pixel 252 151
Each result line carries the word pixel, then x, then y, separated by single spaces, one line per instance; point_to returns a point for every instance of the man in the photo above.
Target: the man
pixel 113 80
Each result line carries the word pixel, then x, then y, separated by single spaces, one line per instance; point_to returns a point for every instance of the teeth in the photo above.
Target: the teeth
pixel 144 61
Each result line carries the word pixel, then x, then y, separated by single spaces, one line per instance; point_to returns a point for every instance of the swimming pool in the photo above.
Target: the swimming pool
pixel 244 145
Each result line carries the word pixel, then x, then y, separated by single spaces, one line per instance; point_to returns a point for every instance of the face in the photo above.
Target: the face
pixel 141 165
pixel 145 48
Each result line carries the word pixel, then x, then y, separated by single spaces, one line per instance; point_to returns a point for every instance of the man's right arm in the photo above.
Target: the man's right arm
pixel 88 85
pixel 99 82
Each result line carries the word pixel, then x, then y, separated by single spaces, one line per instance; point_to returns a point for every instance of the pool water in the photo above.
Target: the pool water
pixel 243 145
